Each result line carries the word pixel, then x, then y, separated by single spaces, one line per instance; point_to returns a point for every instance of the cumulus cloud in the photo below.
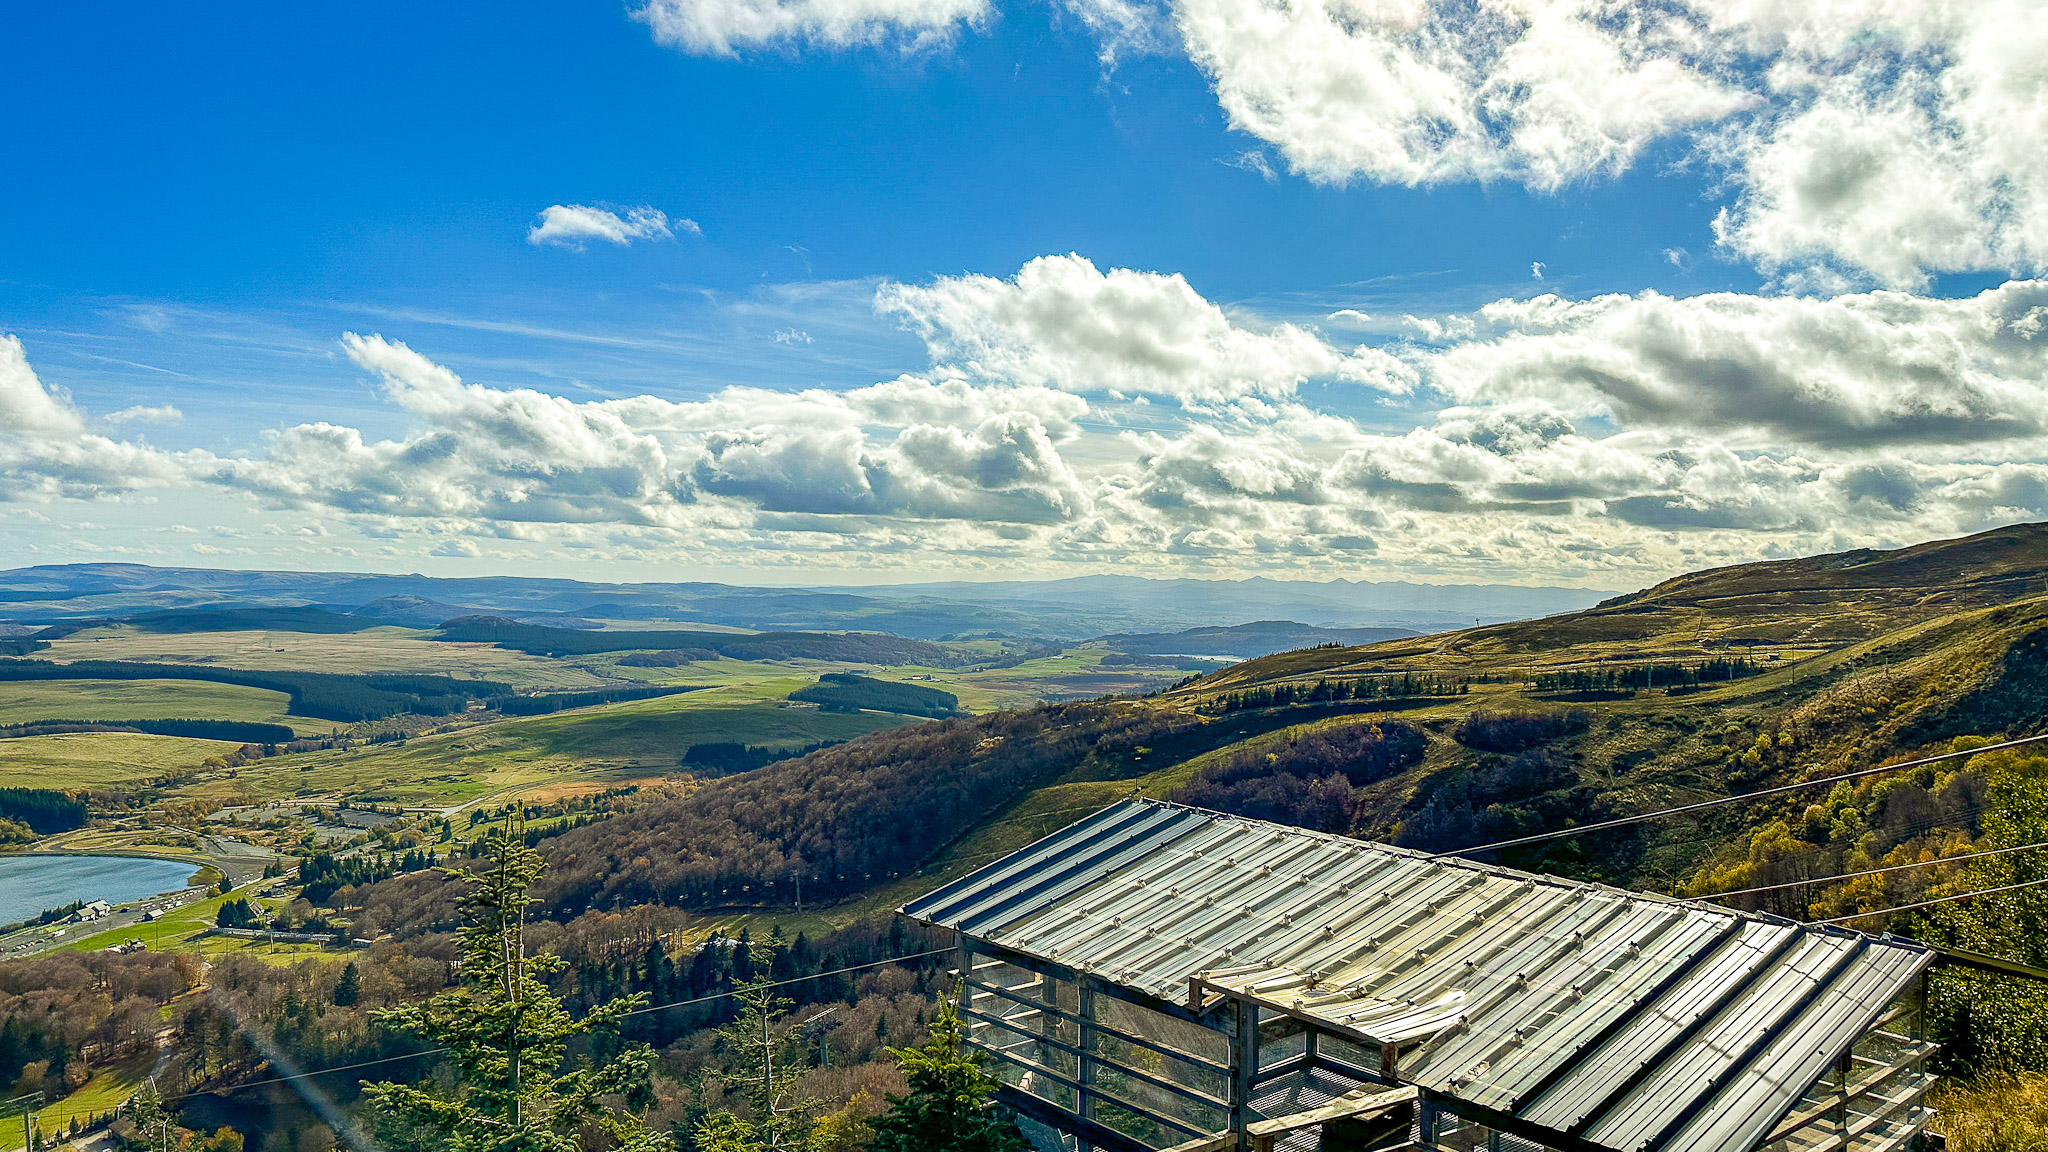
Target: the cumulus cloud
pixel 1061 323
pixel 1858 370
pixel 1421 92
pixel 1551 438
pixel 724 27
pixel 1900 139
pixel 1885 141
pixel 910 447
pixel 573 226
pixel 45 449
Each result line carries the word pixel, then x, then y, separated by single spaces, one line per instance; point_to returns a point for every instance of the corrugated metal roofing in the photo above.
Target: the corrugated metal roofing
pixel 1629 1021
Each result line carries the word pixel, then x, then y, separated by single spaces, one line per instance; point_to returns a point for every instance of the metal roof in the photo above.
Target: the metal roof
pixel 1618 1019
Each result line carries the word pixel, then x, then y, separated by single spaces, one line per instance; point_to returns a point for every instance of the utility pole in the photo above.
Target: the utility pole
pixel 27 1106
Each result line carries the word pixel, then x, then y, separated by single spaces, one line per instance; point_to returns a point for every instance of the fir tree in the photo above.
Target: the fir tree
pixel 505 1034
pixel 950 1106
pixel 153 1125
pixel 349 988
pixel 767 1072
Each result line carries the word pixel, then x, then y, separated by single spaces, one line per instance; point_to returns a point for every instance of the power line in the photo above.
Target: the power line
pixel 1737 799
pixel 791 980
pixel 1902 833
pixel 634 1012
pixel 1932 903
pixel 1872 872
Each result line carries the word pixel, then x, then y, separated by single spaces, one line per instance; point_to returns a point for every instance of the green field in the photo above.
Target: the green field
pixel 374 650
pixel 636 740
pixel 25 700
pixel 110 1086
pixel 99 759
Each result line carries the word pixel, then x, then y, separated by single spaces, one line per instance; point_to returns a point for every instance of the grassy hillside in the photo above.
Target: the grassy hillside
pixel 373 650
pixel 637 740
pixel 99 760
pixel 1859 657
pixel 23 701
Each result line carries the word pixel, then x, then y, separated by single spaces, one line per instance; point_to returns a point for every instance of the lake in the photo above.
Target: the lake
pixel 30 884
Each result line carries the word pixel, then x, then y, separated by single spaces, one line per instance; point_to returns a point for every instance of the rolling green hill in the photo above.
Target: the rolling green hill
pixel 1853 659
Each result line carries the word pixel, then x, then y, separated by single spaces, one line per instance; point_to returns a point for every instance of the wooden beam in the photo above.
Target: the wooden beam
pixel 1360 1103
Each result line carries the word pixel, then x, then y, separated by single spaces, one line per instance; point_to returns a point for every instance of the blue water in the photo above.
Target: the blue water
pixel 29 884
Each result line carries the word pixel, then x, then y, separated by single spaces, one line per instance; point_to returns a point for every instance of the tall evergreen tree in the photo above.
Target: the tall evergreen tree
pixel 349 988
pixel 506 1035
pixel 950 1106
pixel 766 1071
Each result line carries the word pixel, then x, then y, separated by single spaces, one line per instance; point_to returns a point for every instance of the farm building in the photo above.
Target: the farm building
pixel 1160 977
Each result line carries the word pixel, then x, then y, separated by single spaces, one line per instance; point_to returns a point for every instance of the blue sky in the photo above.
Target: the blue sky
pixel 1771 315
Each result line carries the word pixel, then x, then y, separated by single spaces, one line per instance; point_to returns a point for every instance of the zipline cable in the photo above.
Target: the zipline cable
pixel 1718 801
pixel 634 1012
pixel 1871 872
pixel 1932 903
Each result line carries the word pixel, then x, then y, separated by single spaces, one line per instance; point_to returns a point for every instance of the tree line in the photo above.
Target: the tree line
pixel 47 811
pixel 238 731
pixel 1636 677
pixel 326 695
pixel 848 692
pixel 1408 684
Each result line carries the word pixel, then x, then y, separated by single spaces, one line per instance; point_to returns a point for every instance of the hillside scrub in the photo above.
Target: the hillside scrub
pixel 842 818
pixel 1517 731
pixel 1308 778
pixel 1499 798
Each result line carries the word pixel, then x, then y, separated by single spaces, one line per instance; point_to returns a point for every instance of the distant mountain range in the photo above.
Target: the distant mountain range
pixel 1061 610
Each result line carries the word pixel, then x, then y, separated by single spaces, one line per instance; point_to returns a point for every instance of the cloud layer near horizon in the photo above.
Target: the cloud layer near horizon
pixel 1070 414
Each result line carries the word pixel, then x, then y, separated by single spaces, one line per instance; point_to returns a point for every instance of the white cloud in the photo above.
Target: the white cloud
pixel 1867 369
pixel 1886 140
pixel 1600 439
pixel 146 414
pixel 1421 92
pixel 723 27
pixel 46 451
pixel 1122 27
pixel 573 225
pixel 1061 323
pixel 909 447
pixel 1901 140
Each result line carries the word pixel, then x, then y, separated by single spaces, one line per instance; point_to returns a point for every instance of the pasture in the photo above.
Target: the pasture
pixel 632 741
pixel 24 700
pixel 99 760
pixel 387 649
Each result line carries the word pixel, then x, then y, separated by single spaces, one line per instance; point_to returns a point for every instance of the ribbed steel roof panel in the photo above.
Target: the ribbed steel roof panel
pixel 1628 1020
